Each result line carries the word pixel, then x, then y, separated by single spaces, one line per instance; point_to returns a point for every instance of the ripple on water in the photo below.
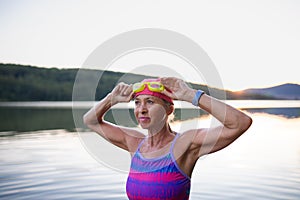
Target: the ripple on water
pixel 54 165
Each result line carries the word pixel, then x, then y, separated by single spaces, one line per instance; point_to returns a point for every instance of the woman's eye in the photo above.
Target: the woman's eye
pixel 150 102
pixel 136 102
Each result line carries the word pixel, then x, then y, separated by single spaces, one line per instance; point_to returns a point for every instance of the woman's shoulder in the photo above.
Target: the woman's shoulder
pixel 134 139
pixel 186 139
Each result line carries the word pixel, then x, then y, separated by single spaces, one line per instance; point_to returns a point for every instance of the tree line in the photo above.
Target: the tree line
pixel 30 83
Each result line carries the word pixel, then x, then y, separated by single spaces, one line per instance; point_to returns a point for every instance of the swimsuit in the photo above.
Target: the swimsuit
pixel 157 178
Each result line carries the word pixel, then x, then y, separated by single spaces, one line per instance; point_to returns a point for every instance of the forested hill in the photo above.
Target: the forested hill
pixel 285 91
pixel 28 83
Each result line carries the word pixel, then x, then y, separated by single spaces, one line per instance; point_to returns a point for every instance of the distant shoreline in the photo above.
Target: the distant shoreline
pixel 241 104
pixel 28 83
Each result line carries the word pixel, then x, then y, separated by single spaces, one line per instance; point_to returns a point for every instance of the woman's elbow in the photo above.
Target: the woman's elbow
pixel 91 119
pixel 85 119
pixel 88 119
pixel 245 123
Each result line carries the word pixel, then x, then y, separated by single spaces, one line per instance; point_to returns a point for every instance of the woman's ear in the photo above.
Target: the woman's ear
pixel 170 109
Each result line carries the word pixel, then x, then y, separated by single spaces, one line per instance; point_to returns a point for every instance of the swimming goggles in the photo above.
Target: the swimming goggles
pixel 152 86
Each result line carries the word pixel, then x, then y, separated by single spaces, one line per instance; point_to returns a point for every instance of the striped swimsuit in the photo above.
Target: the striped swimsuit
pixel 157 178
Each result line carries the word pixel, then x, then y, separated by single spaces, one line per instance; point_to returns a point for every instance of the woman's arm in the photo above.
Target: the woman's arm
pixel 125 138
pixel 234 124
pixel 204 141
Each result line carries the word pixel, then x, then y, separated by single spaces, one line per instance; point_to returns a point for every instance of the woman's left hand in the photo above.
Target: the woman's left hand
pixel 179 89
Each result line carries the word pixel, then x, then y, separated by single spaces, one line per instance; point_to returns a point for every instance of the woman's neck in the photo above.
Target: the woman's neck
pixel 161 138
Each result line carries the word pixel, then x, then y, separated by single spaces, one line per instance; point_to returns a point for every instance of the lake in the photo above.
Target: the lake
pixel 44 154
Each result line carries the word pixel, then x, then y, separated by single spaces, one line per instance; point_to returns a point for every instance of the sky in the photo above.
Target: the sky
pixel 252 43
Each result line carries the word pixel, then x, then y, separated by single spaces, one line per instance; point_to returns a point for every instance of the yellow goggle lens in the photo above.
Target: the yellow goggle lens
pixel 152 86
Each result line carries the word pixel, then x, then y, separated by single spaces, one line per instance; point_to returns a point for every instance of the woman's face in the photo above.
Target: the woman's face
pixel 150 112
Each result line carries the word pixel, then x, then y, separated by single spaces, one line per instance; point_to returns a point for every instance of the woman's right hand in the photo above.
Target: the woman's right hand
pixel 121 93
pixel 179 89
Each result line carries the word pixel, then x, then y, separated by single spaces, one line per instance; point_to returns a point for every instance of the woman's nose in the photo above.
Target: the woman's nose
pixel 143 108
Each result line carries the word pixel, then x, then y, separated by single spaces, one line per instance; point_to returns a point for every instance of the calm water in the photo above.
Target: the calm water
pixel 43 157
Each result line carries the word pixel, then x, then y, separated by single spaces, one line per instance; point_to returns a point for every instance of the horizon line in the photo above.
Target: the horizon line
pixel 93 68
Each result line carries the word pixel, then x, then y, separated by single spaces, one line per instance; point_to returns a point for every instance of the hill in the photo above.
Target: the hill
pixel 29 83
pixel 285 91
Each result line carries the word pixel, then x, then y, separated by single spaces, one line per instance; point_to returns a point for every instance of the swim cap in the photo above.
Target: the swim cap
pixel 146 91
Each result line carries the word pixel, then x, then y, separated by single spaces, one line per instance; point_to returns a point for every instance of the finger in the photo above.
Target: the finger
pixel 164 80
pixel 128 90
pixel 116 89
pixel 120 87
pixel 167 93
pixel 125 89
pixel 131 96
pixel 168 81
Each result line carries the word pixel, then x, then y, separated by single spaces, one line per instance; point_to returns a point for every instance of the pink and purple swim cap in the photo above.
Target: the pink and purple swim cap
pixel 146 91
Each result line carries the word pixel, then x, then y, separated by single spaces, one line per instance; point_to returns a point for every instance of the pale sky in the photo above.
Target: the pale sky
pixel 252 43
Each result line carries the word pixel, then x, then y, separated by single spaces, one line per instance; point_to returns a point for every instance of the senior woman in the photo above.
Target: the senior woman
pixel 162 162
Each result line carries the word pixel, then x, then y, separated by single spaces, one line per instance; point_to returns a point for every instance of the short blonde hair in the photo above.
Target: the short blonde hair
pixel 171 116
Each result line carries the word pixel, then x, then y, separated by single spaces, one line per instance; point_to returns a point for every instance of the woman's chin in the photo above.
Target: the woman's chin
pixel 144 126
pixel 151 129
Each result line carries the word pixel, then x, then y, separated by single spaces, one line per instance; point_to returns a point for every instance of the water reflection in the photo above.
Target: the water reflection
pixel 53 165
pixel 33 119
pixel 262 164
pixel 285 112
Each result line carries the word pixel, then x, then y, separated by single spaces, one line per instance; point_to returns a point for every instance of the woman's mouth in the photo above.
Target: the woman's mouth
pixel 144 119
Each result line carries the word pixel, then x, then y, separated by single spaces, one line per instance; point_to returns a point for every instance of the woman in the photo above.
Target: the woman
pixel 163 161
